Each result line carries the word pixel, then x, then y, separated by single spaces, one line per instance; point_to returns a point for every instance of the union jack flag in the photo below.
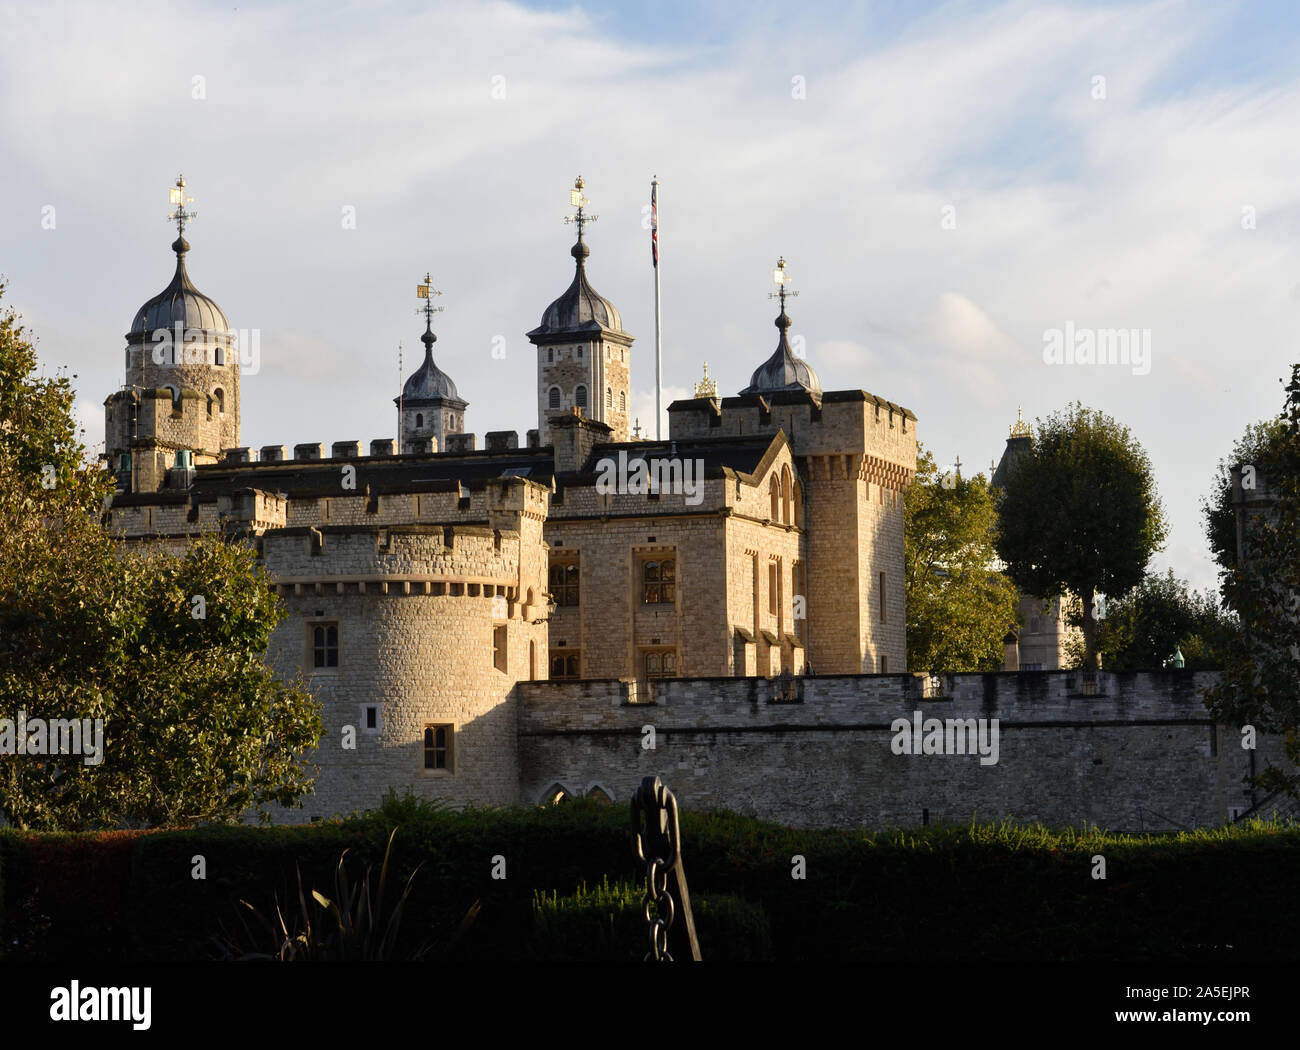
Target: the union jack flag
pixel 654 223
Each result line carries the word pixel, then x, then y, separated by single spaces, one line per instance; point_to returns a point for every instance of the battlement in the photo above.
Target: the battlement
pixel 471 561
pixel 839 422
pixel 1128 751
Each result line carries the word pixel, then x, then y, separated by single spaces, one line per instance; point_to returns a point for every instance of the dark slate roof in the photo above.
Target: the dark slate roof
pixel 179 303
pixel 1017 448
pixel 581 307
pixel 783 371
pixel 383 475
pixel 429 382
pixel 743 455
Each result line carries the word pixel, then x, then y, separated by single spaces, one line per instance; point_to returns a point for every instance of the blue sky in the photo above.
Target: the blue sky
pixel 1120 211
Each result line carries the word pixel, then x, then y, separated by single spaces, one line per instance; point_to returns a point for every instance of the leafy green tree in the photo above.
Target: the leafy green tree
pixel 1261 673
pixel 1079 516
pixel 1260 447
pixel 959 607
pixel 1142 629
pixel 195 725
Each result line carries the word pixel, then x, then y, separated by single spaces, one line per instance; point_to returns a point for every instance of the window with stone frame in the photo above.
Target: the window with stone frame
pixel 659 581
pixel 439 749
pixel 553 398
pixel 566 663
pixel 500 658
pixel 580 397
pixel 563 582
pixel 323 641
pixel 660 663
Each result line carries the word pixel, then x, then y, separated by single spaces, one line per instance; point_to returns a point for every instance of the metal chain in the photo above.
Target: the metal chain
pixel 659 807
pixel 658 925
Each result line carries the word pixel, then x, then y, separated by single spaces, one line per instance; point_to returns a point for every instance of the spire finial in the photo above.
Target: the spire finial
pixel 427 291
pixel 781 278
pixel 580 218
pixel 1020 429
pixel 179 215
pixel 706 387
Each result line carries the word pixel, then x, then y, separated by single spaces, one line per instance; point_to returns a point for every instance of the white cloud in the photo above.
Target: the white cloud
pixel 1122 212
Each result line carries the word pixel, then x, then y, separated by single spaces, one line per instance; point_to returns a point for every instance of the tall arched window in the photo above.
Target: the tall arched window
pixel 622 401
pixel 774 488
pixel 553 398
pixel 798 504
pixel 785 495
pixel 580 397
pixel 419 419
pixel 609 398
pixel 221 401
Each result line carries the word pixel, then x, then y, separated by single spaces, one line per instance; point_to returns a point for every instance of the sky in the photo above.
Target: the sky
pixel 950 184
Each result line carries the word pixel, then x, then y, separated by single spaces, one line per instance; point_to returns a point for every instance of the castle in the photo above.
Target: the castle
pixel 522 623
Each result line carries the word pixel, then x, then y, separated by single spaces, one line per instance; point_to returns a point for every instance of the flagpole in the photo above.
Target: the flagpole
pixel 659 351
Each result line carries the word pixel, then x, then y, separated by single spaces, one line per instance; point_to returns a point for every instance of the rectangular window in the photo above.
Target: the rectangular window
pixel 324 641
pixel 772 587
pixel 660 663
pixel 659 581
pixel 438 749
pixel 566 664
pixel 884 597
pixel 563 583
pixel 884 665
pixel 370 717
pixel 499 655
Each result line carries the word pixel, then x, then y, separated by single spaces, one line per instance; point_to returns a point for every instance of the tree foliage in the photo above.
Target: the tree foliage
pixel 195 725
pixel 959 607
pixel 1142 629
pixel 1261 674
pixel 1079 515
pixel 1260 446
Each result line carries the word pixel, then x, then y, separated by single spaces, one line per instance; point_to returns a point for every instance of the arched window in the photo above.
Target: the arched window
pixel 785 495
pixel 419 420
pixel 580 397
pixel 798 504
pixel 774 488
pixel 221 400
pixel 622 401
pixel 550 354
pixel 553 398
pixel 609 398
pixel 579 353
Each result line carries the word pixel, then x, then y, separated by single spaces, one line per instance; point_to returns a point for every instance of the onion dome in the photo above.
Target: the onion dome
pixel 180 303
pixel 429 381
pixel 783 371
pixel 581 307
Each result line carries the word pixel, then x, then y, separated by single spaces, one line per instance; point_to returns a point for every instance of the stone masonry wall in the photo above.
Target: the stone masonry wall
pixel 1142 756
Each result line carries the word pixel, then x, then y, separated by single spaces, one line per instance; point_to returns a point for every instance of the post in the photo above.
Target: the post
pixel 659 350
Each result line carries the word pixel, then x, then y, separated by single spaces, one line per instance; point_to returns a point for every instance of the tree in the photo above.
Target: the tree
pixel 1261 674
pixel 1142 629
pixel 195 725
pixel 1079 515
pixel 1260 446
pixel 959 607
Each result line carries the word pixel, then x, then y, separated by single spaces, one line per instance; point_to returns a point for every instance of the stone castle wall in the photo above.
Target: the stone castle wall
pixel 1142 755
